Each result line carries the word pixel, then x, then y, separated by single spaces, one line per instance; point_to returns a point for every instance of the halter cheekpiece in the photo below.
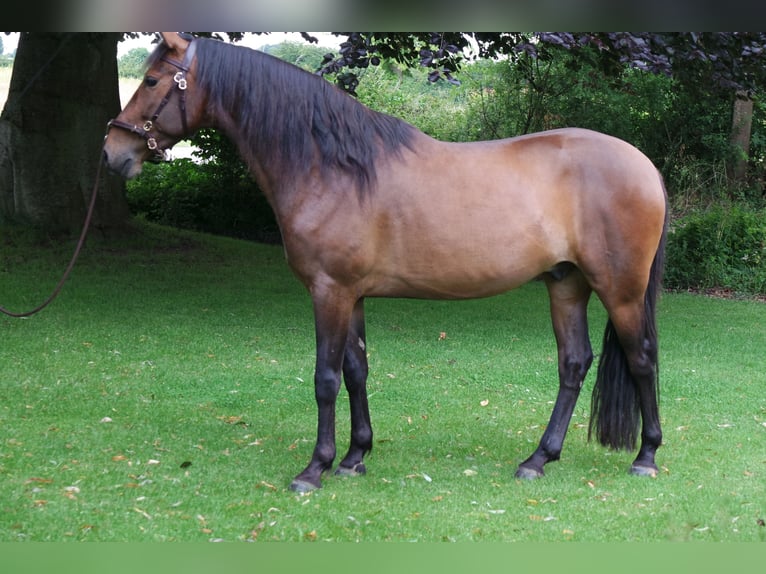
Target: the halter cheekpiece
pixel 180 84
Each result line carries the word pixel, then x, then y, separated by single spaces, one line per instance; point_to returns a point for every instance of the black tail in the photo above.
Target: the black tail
pixel 615 410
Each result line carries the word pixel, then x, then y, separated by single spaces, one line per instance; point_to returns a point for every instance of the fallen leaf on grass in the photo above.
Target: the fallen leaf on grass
pixel 232 420
pixel 470 472
pixel 71 491
pixel 39 480
pixel 257 530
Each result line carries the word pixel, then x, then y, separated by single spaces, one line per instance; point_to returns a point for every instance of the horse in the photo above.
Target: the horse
pixel 369 206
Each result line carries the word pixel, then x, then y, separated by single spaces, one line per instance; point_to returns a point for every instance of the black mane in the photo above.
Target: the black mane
pixel 291 118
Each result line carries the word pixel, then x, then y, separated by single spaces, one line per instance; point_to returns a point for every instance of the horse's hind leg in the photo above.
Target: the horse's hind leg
pixel 637 336
pixel 569 297
pixel 355 376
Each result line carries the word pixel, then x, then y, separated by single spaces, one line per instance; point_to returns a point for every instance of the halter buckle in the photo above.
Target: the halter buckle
pixel 148 125
pixel 151 143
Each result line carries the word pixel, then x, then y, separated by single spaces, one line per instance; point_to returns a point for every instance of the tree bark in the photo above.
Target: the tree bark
pixel 64 88
pixel 741 125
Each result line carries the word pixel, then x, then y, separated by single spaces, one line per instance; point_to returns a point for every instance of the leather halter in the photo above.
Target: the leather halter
pixel 145 130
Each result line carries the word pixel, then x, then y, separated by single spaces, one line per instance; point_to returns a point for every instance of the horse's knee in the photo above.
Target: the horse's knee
pixel 326 386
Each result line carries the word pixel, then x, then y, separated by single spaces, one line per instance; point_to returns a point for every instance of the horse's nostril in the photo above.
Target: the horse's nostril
pixel 106 158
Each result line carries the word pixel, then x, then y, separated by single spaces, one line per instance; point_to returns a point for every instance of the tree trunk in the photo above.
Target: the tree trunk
pixel 63 90
pixel 741 124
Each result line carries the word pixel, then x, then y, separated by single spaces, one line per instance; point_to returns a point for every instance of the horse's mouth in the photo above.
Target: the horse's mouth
pixel 128 168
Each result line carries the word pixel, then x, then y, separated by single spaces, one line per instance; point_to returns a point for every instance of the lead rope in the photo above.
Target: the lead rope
pixel 76 254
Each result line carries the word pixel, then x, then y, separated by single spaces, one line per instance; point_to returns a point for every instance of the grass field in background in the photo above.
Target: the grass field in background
pixel 127 86
pixel 5 82
pixel 167 395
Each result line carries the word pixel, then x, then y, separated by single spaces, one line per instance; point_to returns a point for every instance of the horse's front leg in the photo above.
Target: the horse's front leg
pixel 355 376
pixel 332 315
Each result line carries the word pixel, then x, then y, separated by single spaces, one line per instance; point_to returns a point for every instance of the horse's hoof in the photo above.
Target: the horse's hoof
pixel 642 470
pixel 356 470
pixel 528 473
pixel 303 486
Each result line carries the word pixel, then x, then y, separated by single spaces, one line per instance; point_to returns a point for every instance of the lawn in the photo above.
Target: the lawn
pixel 167 395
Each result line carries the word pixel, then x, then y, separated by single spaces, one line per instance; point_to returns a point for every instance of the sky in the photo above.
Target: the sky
pixel 9 41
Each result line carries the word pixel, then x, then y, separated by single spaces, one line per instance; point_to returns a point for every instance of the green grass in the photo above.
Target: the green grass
pixel 167 395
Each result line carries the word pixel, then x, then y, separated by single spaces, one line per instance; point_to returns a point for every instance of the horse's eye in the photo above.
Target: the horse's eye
pixel 149 81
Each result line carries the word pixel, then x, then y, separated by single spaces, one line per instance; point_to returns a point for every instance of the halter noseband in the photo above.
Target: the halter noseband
pixel 145 130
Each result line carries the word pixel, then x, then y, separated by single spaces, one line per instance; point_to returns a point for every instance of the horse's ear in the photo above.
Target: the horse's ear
pixel 174 41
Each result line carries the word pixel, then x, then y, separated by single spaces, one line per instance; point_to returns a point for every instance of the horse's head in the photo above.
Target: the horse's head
pixel 164 109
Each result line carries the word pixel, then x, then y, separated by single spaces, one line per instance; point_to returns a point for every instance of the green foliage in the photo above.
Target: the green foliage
pixel 721 247
pixel 203 197
pixel 307 56
pixel 685 133
pixel 131 65
pixel 407 94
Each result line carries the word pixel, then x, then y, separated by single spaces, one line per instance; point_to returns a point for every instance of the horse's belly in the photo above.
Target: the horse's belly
pixel 454 277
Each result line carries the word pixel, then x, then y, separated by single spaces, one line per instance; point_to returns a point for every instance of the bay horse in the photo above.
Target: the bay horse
pixel 369 206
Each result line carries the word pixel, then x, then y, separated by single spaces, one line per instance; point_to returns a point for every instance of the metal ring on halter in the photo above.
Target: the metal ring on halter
pixel 180 80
